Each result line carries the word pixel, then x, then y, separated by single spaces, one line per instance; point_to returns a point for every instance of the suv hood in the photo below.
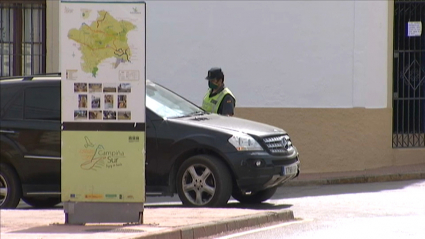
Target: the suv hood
pixel 234 124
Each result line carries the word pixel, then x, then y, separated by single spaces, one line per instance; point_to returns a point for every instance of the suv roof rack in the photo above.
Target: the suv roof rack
pixel 30 77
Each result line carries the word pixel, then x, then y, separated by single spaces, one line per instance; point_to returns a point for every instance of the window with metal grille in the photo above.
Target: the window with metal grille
pixel 22 37
pixel 409 74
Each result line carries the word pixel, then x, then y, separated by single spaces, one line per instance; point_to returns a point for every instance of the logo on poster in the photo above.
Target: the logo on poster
pixel 135 11
pixel 68 10
pixel 132 139
pixel 96 157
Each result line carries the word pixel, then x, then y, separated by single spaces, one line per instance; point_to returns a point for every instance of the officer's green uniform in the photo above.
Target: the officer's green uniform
pixel 222 101
pixel 212 104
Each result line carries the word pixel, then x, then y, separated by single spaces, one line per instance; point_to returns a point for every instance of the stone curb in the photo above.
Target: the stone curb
pixel 214 228
pixel 358 179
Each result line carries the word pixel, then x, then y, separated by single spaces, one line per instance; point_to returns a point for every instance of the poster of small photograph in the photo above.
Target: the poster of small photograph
pixel 95 87
pixel 109 87
pixel 124 115
pixel 124 88
pixel 109 115
pixel 82 101
pixel 109 101
pixel 80 114
pixel 122 101
pixel 95 102
pixel 80 87
pixel 71 74
pixel 129 75
pixel 95 114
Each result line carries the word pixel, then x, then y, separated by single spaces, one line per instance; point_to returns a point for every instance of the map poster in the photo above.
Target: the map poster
pixel 103 60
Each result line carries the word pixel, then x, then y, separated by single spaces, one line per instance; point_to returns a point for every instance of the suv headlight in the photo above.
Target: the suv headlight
pixel 244 142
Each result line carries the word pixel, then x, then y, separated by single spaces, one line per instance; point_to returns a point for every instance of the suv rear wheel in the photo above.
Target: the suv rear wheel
pixel 10 188
pixel 204 181
pixel 42 202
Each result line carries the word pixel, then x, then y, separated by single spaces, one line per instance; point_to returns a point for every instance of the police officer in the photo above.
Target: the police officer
pixel 219 99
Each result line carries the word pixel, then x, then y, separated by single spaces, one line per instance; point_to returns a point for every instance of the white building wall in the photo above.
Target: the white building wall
pixel 306 54
pixel 52 36
pixel 370 49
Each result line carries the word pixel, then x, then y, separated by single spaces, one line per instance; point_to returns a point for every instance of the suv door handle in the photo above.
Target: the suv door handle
pixel 7 131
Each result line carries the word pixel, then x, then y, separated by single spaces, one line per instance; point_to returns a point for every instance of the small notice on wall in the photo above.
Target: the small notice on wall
pixel 414 29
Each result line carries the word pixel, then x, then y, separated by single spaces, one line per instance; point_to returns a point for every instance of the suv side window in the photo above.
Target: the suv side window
pixel 12 102
pixel 42 103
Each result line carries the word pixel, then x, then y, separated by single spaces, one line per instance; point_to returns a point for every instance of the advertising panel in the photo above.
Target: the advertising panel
pixel 103 69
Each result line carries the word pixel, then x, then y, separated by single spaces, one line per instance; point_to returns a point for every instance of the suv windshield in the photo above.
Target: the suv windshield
pixel 168 104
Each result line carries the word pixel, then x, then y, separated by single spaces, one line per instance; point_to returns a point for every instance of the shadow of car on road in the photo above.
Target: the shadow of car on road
pixel 230 205
pixel 261 206
pixel 281 194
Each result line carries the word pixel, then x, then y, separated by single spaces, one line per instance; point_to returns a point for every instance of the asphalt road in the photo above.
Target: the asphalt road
pixel 375 210
pixel 371 210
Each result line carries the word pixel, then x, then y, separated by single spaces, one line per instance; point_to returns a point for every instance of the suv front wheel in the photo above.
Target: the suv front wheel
pixel 10 188
pixel 255 198
pixel 204 181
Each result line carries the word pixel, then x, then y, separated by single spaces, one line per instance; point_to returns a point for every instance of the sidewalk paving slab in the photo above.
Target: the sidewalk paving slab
pixel 160 222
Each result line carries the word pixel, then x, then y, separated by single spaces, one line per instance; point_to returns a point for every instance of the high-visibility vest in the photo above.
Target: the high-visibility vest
pixel 211 104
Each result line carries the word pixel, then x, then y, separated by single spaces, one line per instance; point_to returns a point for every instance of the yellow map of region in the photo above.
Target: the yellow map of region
pixel 102 39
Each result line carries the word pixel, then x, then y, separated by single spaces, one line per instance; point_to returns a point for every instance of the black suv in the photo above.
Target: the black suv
pixel 204 158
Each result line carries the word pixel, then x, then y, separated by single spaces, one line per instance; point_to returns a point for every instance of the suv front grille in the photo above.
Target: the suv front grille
pixel 278 144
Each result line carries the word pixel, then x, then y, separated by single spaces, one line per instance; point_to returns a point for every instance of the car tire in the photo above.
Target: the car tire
pixel 204 181
pixel 42 202
pixel 10 187
pixel 255 198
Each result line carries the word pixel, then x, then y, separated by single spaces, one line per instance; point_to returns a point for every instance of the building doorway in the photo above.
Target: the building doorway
pixel 409 74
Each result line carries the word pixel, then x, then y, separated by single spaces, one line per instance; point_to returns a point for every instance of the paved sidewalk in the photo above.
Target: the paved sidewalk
pixel 159 222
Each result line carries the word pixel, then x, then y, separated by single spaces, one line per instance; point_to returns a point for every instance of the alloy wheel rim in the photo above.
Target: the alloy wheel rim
pixel 199 184
pixel 3 190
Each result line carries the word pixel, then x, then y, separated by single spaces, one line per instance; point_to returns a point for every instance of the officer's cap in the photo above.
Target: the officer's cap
pixel 215 73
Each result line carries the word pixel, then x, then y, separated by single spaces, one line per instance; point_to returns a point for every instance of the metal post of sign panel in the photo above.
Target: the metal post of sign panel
pixel 103 69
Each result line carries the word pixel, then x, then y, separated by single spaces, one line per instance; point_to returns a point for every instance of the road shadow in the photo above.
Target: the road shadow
pixel 336 189
pixel 232 204
pixel 282 193
pixel 81 229
pixel 27 207
pixel 260 206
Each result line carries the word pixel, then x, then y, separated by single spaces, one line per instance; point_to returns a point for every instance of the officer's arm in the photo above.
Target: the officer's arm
pixel 228 106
